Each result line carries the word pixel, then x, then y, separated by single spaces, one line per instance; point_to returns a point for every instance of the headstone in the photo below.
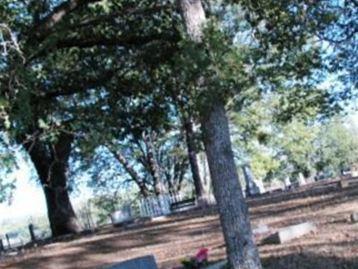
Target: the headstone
pixel 121 216
pixel 354 217
pixel 301 180
pixel 252 187
pixel 2 248
pixel 146 262
pixel 287 183
pixel 260 185
pixel 343 183
pixel 291 232
pixel 32 232
pixel 8 241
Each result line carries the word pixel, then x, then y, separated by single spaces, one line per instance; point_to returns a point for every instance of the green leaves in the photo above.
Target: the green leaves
pixel 279 148
pixel 7 165
pixel 43 125
pixel 116 68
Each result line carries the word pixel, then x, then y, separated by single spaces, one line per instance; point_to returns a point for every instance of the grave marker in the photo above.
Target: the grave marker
pixel 343 183
pixel 2 248
pixel 146 262
pixel 301 180
pixel 287 183
pixel 289 233
pixel 32 233
pixel 253 187
pixel 122 215
pixel 354 217
pixel 8 241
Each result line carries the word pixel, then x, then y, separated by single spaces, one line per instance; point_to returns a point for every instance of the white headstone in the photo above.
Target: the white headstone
pixel 301 180
pixel 122 215
pixel 289 233
pixel 287 182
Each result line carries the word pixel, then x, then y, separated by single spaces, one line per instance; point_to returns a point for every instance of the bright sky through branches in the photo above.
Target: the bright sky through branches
pixel 28 199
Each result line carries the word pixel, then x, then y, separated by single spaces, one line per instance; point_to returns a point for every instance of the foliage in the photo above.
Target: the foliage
pixel 277 150
pixel 105 202
pixel 96 72
pixel 336 147
pixel 7 165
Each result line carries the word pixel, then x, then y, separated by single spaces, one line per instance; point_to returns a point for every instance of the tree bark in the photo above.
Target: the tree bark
pixel 51 162
pixel 241 250
pixel 133 174
pixel 193 160
pixel 154 168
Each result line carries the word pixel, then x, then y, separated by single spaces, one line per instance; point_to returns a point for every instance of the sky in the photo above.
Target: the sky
pixel 28 198
pixel 28 195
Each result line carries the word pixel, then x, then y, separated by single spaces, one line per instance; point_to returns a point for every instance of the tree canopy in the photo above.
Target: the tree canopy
pixel 126 75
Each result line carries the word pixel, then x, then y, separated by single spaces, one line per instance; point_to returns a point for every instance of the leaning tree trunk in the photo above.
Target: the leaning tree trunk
pixel 153 166
pixel 193 160
pixel 143 189
pixel 241 250
pixel 51 161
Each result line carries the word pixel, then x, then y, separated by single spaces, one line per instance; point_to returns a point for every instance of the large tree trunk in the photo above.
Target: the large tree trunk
pixel 51 161
pixel 193 160
pixel 241 250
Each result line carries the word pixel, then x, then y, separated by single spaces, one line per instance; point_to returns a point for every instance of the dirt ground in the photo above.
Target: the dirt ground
pixel 334 245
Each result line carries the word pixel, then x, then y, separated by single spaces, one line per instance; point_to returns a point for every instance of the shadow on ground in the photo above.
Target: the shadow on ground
pixel 179 236
pixel 309 261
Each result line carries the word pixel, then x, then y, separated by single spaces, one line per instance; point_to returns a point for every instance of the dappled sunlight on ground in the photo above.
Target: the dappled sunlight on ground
pixel 333 245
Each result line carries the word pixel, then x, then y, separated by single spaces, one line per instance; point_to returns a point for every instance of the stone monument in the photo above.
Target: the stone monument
pixel 252 186
pixel 145 262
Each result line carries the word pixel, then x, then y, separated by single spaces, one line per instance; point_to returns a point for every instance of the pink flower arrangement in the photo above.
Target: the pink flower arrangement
pixel 199 261
pixel 202 255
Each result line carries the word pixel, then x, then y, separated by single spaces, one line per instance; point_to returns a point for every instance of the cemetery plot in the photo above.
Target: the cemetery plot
pixel 147 262
pixel 289 233
pixel 333 245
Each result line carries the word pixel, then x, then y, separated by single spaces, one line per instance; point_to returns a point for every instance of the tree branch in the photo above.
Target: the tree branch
pixel 125 12
pixel 80 85
pixel 43 28
pixel 124 41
